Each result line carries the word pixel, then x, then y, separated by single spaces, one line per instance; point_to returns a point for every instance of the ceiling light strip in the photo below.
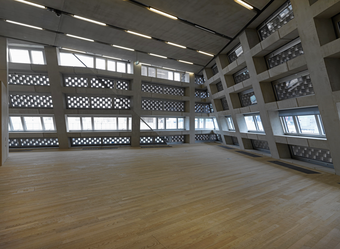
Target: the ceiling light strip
pixel 23 24
pixel 163 13
pixel 32 4
pixel 205 53
pixel 89 20
pixel 135 33
pixel 79 37
pixel 176 45
pixel 247 6
pixel 73 50
pixel 187 62
pixel 157 55
pixel 116 46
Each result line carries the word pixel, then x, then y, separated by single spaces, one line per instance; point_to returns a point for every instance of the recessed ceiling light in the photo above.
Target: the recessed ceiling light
pixel 206 53
pixel 248 6
pixel 157 55
pixel 73 50
pixel 89 20
pixel 79 37
pixel 135 33
pixel 177 45
pixel 208 30
pixel 32 4
pixel 163 13
pixel 23 24
pixel 130 49
pixel 187 62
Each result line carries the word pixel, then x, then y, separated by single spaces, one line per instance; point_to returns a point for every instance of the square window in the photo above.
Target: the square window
pixel 250 123
pixel 87 123
pixel 16 123
pixel 33 123
pixel 73 123
pixel 38 57
pixel 19 56
pixel 48 123
pixel 105 124
pixel 121 67
pixel 308 124
pixel 171 123
pixel 100 63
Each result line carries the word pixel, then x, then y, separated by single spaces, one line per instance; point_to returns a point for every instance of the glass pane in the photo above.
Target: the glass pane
pixel 144 71
pixel 230 123
pixel 148 124
pixel 87 60
pixel 129 68
pixel 161 124
pixel 9 127
pixel 201 123
pixel 33 123
pixel 209 124
pixel 259 123
pixel 100 63
pixel 216 124
pixel 73 123
pixel 16 123
pixel 130 124
pixel 162 74
pixel 111 65
pixel 87 123
pixel 290 124
pixel 239 51
pixel 308 124
pixel 170 75
pixel 321 125
pixel 177 77
pixel 250 123
pixel 122 123
pixel 180 123
pixel 121 67
pixel 171 123
pixel 48 123
pixel 106 124
pixel 69 60
pixel 196 123
pixel 151 72
pixel 38 57
pixel 19 56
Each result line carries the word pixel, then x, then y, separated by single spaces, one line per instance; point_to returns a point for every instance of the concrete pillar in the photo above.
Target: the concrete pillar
pixel 4 150
pixel 191 110
pixel 58 98
pixel 137 104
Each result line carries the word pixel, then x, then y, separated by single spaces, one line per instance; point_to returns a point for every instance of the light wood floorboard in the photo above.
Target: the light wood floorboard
pixel 187 196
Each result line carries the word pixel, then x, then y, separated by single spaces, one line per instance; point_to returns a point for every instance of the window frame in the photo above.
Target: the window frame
pixel 173 72
pixel 254 115
pixel 229 120
pixel 24 126
pixel 128 123
pixel 29 54
pixel 197 119
pixel 165 128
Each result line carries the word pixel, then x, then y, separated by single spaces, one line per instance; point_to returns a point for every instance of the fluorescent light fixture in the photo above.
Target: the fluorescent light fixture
pixel 187 62
pixel 177 45
pixel 113 58
pixel 157 55
pixel 89 20
pixel 145 64
pixel 73 50
pixel 33 4
pixel 190 72
pixel 208 30
pixel 81 38
pixel 205 53
pixel 130 49
pixel 25 25
pixel 163 13
pixel 135 33
pixel 170 69
pixel 247 6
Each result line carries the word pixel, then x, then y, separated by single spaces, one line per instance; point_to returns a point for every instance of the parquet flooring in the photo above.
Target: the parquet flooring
pixel 187 196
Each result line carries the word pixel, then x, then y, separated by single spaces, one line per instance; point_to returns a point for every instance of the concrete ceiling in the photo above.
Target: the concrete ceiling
pixel 223 16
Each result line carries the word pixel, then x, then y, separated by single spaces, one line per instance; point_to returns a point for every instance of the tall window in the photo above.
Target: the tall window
pixel 253 122
pixel 304 121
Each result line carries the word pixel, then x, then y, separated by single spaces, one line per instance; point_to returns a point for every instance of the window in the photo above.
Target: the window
pixel 161 123
pixel 82 60
pixel 230 124
pixel 31 123
pixel 164 74
pixel 304 121
pixel 235 53
pixel 253 122
pixel 26 56
pixel 206 124
pixel 98 123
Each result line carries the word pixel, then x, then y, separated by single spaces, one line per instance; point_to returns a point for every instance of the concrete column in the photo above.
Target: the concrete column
pixel 58 98
pixel 4 150
pixel 192 109
pixel 319 76
pixel 136 104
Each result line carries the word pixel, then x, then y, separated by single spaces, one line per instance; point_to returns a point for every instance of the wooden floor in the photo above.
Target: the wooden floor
pixel 188 196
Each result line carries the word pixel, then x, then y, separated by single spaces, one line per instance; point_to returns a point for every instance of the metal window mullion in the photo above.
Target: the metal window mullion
pixel 297 125
pixel 42 123
pixel 92 122
pixel 23 123
pixel 318 124
pixel 255 121
pixel 284 125
pixel 30 55
pixel 81 123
